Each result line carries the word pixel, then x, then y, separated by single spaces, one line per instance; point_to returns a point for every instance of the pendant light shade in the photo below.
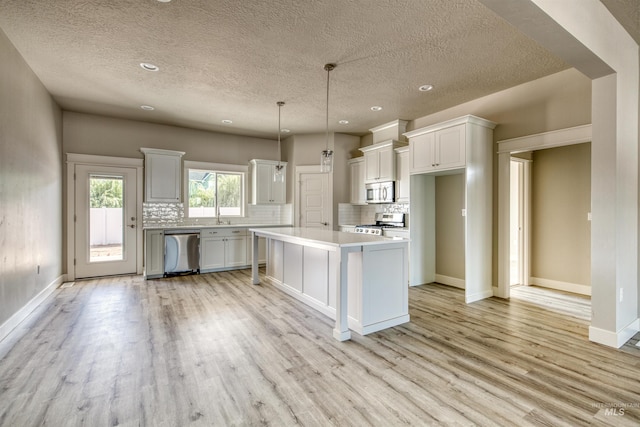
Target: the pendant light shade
pixel 278 172
pixel 326 157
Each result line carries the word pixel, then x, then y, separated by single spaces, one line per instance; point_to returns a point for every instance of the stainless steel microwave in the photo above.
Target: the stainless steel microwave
pixel 380 192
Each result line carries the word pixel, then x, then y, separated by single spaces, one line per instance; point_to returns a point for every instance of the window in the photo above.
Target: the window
pixel 213 191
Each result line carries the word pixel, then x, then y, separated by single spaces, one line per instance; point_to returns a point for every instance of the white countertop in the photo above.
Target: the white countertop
pixel 205 226
pixel 324 237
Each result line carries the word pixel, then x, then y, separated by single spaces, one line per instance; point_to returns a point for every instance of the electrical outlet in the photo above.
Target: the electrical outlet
pixel 588 216
pixel 464 212
pixel 621 294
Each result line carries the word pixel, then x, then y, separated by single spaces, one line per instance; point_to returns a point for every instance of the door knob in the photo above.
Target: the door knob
pixel 132 226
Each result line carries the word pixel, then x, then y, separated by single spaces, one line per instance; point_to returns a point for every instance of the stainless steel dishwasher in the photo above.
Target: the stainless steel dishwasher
pixel 181 252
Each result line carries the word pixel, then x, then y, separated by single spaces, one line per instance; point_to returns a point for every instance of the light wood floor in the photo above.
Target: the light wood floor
pixel 215 350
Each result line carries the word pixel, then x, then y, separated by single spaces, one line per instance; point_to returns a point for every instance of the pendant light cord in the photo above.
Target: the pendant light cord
pixel 328 67
pixel 280 104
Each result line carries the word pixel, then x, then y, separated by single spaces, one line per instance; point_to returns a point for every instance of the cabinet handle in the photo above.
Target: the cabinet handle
pixel 236 231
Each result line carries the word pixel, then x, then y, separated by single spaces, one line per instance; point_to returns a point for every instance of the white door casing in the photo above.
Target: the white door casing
pixel 314 201
pixel 313 198
pixel 79 170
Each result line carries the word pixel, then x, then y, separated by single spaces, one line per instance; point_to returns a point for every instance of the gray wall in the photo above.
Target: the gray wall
pixel 30 184
pixel 104 136
pixel 450 242
pixel 560 201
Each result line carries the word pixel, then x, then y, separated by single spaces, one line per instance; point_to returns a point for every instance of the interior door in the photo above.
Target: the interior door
pixel 105 221
pixel 315 209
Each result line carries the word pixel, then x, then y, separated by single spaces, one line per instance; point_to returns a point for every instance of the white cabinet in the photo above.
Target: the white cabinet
pixel 162 173
pixel 464 145
pixel 437 150
pixel 402 175
pixel 222 248
pixel 264 190
pixel 154 253
pixel 380 161
pixel 358 192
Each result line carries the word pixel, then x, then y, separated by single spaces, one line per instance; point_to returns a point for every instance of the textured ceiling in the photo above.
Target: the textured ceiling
pixel 234 59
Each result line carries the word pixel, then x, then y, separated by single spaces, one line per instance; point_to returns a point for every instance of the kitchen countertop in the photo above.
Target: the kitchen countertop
pixel 203 226
pixel 323 237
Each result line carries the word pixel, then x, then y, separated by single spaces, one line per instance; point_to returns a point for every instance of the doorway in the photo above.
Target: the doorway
pixel 519 214
pixel 313 201
pixel 104 219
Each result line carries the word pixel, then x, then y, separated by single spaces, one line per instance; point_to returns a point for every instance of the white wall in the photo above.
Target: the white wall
pixel 30 185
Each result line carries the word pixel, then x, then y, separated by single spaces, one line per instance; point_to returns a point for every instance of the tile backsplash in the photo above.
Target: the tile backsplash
pixel 365 214
pixel 172 214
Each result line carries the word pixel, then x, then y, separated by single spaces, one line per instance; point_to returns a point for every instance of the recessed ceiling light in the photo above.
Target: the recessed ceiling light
pixel 227 121
pixel 147 107
pixel 376 108
pixel 285 130
pixel 425 88
pixel 149 67
pixel 343 122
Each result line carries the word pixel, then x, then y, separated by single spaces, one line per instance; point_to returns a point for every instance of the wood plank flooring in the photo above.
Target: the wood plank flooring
pixel 214 350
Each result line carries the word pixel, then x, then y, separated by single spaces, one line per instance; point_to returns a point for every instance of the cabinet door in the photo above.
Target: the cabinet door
pixel 212 253
pixel 402 175
pixel 264 178
pixel 450 147
pixel 278 189
pixel 371 167
pixel 154 253
pixel 235 251
pixel 421 149
pixel 162 178
pixel 386 164
pixel 358 192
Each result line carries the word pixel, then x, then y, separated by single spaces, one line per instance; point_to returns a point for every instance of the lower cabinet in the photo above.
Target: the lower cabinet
pixel 223 249
pixel 154 253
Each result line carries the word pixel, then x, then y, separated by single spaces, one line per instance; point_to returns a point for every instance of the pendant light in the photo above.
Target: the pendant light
pixel 278 173
pixel 326 157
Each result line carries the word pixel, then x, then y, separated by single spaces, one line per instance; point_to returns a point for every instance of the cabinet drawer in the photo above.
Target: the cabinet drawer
pixel 222 232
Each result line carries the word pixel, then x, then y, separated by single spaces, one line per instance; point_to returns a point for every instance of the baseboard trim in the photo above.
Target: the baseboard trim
pixel 11 323
pixel 576 288
pixel 614 339
pixel 478 296
pixel 450 281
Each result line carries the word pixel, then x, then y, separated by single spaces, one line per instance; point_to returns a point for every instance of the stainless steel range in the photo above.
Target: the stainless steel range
pixel 383 220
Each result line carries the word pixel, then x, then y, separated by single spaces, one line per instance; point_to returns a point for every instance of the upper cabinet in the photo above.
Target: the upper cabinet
pixel 442 149
pixel 358 192
pixel 264 190
pixel 162 173
pixel 380 157
pixel 380 161
pixel 402 175
pixel 447 146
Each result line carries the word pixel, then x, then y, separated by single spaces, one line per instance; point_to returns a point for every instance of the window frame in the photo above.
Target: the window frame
pixel 221 168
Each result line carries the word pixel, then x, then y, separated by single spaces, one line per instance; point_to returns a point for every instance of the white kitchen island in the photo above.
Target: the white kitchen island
pixel 359 280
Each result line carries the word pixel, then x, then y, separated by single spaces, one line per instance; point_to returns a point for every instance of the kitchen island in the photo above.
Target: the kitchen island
pixel 359 280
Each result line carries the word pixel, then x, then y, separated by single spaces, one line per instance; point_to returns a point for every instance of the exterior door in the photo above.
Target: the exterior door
pixel 105 220
pixel 315 209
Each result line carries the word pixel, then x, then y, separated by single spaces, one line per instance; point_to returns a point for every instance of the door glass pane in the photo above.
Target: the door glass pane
pixel 106 218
